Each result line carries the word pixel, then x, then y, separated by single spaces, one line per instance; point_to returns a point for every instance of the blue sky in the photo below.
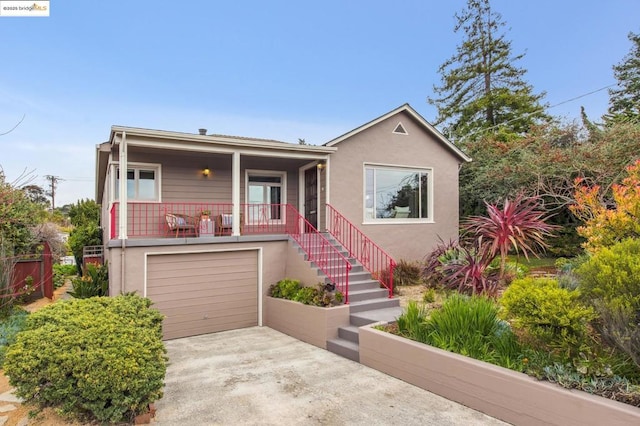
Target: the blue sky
pixel 273 69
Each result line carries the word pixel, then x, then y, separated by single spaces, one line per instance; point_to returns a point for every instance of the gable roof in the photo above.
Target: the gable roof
pixel 417 117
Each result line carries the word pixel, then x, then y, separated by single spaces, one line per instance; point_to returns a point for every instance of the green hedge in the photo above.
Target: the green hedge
pixel 547 315
pixel 95 359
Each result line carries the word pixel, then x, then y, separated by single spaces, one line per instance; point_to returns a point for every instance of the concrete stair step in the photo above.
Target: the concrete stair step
pixel 366 294
pixel 363 285
pixel 344 348
pixel 333 267
pixel 358 277
pixel 349 332
pixel 320 251
pixel 361 318
pixel 373 304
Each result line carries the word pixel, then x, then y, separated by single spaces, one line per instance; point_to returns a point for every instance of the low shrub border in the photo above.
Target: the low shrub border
pixel 311 324
pixel 505 394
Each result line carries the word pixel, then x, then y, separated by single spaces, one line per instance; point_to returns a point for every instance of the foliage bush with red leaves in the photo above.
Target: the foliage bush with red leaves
pixel 519 225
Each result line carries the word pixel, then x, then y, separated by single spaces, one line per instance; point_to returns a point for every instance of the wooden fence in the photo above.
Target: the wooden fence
pixel 34 270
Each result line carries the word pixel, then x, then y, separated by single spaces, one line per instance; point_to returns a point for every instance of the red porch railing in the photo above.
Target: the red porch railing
pixel 320 251
pixel 359 246
pixel 149 220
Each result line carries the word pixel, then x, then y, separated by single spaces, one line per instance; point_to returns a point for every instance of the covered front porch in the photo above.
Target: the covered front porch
pixel 185 185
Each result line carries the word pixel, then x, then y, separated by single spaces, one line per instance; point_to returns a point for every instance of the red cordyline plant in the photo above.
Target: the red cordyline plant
pixel 519 225
pixel 465 269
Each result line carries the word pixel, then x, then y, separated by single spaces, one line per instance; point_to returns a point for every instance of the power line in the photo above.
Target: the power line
pixel 582 96
pixel 541 109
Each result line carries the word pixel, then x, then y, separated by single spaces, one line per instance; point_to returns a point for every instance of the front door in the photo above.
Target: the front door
pixel 311 196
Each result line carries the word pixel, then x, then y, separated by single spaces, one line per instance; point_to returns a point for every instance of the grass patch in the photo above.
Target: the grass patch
pixel 534 262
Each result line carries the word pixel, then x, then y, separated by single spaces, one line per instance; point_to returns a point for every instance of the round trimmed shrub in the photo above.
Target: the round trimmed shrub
pixel 548 315
pixel 95 359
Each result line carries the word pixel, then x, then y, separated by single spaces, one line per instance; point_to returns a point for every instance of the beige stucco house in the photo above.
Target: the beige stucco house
pixel 204 223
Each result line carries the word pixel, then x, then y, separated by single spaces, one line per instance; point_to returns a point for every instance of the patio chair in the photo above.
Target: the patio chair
pixel 224 224
pixel 182 223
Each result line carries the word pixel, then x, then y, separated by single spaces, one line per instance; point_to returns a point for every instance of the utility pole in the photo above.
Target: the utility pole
pixel 53 182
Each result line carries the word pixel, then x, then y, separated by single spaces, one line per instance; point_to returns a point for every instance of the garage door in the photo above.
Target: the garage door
pixel 203 293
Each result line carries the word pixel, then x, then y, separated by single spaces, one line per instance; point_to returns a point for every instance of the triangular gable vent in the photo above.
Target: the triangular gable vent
pixel 400 130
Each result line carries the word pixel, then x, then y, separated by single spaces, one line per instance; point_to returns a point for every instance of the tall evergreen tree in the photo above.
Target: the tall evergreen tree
pixel 482 88
pixel 624 102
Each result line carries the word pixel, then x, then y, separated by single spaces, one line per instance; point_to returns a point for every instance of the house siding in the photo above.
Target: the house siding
pixel 378 144
pixel 182 179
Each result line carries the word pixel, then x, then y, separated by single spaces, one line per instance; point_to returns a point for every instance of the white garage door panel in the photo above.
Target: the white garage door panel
pixel 204 292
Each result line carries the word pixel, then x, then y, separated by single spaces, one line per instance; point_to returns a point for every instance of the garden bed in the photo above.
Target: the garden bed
pixel 311 324
pixel 505 394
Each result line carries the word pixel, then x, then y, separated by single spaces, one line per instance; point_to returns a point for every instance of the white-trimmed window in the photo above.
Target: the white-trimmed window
pixel 143 183
pixel 266 195
pixel 397 193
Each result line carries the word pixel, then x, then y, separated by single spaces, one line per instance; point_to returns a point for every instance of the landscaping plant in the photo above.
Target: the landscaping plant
pixel 320 295
pixel 604 225
pixel 466 325
pixel 407 273
pixel 458 267
pixel 61 272
pixel 548 317
pixel 467 265
pixel 519 225
pixel 99 359
pixel 610 282
pixel 93 283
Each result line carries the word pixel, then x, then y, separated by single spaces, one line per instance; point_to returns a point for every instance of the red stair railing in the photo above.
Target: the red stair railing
pixel 319 250
pixel 369 254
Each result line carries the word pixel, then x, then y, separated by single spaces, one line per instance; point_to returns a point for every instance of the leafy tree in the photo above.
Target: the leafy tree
pixel 624 102
pixel 16 218
pixel 545 163
pixel 482 88
pixel 83 212
pixel 36 194
pixel 85 217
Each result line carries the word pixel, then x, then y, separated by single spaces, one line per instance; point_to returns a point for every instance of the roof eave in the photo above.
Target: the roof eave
pixel 219 140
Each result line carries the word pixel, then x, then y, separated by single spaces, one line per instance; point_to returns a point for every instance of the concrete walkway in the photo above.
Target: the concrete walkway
pixel 258 376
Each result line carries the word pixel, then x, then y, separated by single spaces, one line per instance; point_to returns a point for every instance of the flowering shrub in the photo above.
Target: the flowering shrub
pixel 94 282
pixel 607 224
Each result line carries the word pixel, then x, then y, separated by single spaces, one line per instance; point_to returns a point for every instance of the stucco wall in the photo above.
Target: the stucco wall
pixel 379 145
pixel 299 269
pixel 507 395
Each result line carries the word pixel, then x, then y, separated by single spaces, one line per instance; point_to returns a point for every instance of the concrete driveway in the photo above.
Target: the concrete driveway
pixel 259 376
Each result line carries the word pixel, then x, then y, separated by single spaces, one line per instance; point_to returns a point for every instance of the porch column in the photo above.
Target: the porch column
pixel 122 189
pixel 235 193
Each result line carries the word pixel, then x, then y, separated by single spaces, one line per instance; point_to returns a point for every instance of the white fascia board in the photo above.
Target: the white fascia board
pixel 234 143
